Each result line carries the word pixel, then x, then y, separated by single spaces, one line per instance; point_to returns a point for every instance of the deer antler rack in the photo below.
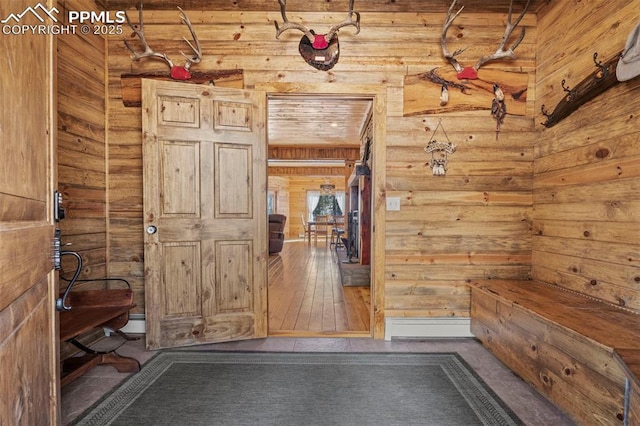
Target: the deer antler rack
pixel 347 22
pixel 451 57
pixel 471 73
pixel 288 25
pixel 177 72
pixel 318 41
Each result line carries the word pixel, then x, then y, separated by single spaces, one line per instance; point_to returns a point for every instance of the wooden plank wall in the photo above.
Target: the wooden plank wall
pixel 81 145
pixel 587 167
pixel 473 223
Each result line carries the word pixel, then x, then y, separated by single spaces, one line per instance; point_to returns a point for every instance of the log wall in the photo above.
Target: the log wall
pixel 587 168
pixel 473 223
pixel 82 145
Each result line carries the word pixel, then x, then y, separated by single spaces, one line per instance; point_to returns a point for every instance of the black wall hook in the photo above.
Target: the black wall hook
pixel 572 93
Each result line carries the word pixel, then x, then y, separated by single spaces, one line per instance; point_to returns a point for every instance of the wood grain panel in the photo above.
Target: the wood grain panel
pixel 234 276
pixel 233 170
pixel 26 386
pixel 20 268
pixel 622 232
pixel 81 106
pixel 182 264
pixel 26 210
pixel 29 382
pixel 180 178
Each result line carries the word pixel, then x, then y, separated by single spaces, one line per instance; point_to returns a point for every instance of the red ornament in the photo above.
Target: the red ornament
pixel 319 42
pixel 180 73
pixel 468 73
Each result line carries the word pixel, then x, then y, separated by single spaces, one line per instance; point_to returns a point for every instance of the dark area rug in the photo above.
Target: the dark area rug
pixel 260 388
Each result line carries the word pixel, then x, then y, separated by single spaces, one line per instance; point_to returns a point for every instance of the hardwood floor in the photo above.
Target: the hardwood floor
pixel 307 298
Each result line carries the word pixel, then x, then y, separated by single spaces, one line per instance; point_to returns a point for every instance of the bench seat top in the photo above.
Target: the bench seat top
pixel 80 320
pixel 602 322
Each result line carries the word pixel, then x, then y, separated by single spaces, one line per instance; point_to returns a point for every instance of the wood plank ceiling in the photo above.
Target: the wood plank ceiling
pixel 317 121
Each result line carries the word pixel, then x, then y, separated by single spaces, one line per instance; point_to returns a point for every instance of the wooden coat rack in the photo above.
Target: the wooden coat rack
pixel 603 78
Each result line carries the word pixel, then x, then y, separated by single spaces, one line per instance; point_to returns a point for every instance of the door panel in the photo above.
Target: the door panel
pixel 233 165
pixel 180 179
pixel 181 264
pixel 234 276
pixel 29 386
pixel 205 192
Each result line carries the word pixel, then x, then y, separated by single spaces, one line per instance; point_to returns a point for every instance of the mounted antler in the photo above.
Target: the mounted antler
pixel 288 25
pixel 451 57
pixel 177 72
pixel 321 51
pixel 471 73
pixel 349 21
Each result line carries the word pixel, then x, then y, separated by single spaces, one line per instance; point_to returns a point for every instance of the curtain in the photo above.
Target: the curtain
pixel 312 200
pixel 340 197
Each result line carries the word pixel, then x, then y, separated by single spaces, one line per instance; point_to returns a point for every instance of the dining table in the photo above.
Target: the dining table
pixel 315 224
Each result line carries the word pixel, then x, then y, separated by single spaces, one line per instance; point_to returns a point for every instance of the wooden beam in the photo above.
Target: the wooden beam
pixel 306 171
pixel 422 92
pixel 131 84
pixel 313 153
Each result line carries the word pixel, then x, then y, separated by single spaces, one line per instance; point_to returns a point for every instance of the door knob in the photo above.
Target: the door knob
pixel 151 229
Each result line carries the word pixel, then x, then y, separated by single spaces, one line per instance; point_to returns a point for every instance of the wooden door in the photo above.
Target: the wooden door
pixel 205 186
pixel 29 390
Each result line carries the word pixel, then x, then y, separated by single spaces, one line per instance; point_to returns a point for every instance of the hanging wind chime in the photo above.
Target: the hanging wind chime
pixel 439 152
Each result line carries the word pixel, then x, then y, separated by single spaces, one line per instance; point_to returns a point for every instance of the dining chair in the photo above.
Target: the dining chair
pixel 322 224
pixel 307 229
pixel 337 231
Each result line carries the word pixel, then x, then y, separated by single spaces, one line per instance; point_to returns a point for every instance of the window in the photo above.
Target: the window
pixel 272 201
pixel 320 203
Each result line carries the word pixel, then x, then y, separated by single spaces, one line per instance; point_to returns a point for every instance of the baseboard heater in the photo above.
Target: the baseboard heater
pixel 445 327
pixel 136 325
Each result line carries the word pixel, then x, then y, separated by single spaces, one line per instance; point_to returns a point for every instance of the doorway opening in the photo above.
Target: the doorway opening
pixel 321 282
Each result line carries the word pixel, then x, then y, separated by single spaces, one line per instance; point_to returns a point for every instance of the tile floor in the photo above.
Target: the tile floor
pixel 530 406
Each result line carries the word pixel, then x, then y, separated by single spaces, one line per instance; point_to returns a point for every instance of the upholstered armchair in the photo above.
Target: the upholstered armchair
pixel 276 232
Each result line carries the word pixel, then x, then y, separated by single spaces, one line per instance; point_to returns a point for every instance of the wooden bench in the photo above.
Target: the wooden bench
pixel 91 309
pixel 580 352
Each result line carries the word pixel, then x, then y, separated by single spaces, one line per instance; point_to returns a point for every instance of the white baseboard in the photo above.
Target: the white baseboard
pixel 136 325
pixel 427 327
